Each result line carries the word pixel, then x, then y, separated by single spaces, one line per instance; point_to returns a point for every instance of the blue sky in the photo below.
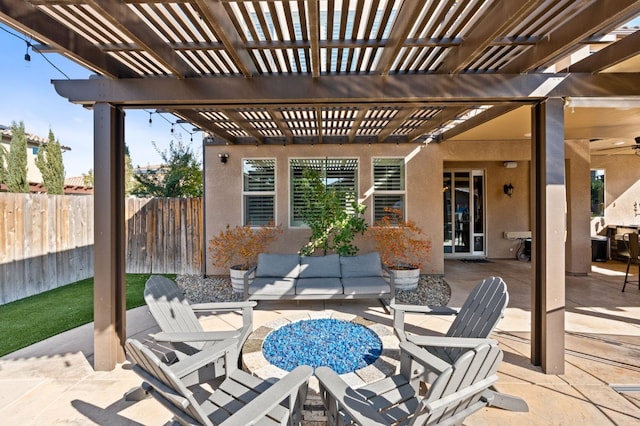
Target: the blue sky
pixel 26 94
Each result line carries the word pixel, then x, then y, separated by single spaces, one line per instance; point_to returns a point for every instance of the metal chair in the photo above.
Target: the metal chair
pixel 632 253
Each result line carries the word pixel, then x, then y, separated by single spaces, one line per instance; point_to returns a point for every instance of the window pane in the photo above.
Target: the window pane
pixel 388 205
pixel 258 210
pixel 340 174
pixel 597 193
pixel 259 175
pixel 388 174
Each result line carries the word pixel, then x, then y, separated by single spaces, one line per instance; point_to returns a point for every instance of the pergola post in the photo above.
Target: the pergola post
pixel 109 300
pixel 548 245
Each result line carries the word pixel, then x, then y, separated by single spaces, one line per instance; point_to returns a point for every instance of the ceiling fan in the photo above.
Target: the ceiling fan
pixel 621 148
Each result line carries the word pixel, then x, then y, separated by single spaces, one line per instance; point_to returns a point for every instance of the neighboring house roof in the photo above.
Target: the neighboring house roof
pixel 32 139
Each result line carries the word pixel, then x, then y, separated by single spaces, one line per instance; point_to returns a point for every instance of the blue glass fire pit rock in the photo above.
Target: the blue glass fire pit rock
pixel 341 345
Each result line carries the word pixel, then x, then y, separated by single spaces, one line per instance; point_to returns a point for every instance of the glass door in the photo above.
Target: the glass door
pixel 463 192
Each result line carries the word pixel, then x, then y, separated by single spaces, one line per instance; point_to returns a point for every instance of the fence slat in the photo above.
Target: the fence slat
pixel 46 241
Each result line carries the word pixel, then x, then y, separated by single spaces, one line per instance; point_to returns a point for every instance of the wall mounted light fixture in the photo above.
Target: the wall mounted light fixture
pixel 223 157
pixel 508 189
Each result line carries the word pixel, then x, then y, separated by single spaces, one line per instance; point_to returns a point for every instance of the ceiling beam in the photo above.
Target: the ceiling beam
pixel 215 14
pixel 496 20
pixel 35 24
pixel 244 124
pixel 481 118
pixel 599 16
pixel 120 16
pixel 406 16
pixel 314 37
pixel 609 56
pixel 395 122
pixel 280 121
pixel 371 89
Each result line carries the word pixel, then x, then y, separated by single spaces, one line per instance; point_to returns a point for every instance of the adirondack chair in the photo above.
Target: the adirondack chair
pixel 240 399
pixel 178 321
pixel 457 392
pixel 473 324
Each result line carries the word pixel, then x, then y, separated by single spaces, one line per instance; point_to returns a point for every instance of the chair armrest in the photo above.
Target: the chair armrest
pixel 284 388
pixel 421 309
pixel 392 284
pixel 195 336
pixel 205 356
pixel 448 342
pixel 221 306
pixel 346 399
pixel 422 357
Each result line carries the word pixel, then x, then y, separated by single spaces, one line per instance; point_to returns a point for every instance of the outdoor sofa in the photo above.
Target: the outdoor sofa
pixel 290 276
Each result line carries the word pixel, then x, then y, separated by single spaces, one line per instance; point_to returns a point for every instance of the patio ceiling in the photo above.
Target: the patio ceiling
pixel 350 71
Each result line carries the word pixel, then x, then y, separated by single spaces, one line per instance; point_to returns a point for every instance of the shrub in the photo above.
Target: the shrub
pixel 401 243
pixel 239 247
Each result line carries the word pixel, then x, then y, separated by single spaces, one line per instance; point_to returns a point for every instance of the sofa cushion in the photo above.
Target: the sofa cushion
pixel 273 286
pixel 323 286
pixel 364 265
pixel 320 266
pixel 278 265
pixel 365 285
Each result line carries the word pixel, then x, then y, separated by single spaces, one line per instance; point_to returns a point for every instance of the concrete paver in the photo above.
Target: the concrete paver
pixel 53 382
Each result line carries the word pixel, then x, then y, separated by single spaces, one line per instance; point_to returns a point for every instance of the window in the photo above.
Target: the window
pixel 389 187
pixel 34 150
pixel 259 189
pixel 597 193
pixel 340 174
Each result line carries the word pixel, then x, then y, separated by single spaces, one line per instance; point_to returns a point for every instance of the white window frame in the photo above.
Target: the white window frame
pixel 246 194
pixel 401 192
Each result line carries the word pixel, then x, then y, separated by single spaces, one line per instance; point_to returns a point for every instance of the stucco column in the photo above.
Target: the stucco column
pixel 109 298
pixel 549 227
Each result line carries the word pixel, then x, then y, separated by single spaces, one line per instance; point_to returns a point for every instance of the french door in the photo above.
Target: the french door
pixel 464 227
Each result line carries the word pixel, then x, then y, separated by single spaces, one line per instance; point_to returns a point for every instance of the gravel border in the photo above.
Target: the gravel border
pixel 432 290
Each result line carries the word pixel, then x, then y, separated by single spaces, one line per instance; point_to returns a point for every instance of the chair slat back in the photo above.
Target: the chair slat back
pixel 163 384
pixel 457 391
pixel 478 316
pixel 171 309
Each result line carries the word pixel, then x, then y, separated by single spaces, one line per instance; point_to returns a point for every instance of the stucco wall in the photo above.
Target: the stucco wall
pixel 223 189
pixel 425 165
pixel 622 190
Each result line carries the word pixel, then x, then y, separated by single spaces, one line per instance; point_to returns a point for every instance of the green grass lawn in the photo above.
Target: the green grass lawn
pixel 35 318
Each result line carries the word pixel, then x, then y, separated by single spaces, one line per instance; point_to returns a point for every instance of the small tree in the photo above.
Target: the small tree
pixel 49 161
pixel 179 176
pixel 335 217
pixel 17 160
pixel 3 165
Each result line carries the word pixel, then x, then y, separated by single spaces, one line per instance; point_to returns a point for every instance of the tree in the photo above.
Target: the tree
pixel 179 176
pixel 335 217
pixel 49 161
pixel 17 160
pixel 3 165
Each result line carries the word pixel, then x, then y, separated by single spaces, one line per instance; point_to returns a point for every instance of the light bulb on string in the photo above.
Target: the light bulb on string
pixel 27 57
pixel 150 120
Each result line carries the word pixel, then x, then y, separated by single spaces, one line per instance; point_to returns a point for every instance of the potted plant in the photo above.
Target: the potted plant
pixel 402 247
pixel 238 248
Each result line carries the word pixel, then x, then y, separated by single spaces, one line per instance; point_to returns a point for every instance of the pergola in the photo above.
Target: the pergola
pixel 337 71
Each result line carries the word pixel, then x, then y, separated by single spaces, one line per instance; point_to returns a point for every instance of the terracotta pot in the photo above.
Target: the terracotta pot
pixel 406 279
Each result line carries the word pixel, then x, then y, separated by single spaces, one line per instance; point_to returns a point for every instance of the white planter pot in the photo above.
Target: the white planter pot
pixel 237 279
pixel 406 279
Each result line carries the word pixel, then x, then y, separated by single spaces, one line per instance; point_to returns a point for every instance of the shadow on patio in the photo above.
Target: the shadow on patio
pixel 53 381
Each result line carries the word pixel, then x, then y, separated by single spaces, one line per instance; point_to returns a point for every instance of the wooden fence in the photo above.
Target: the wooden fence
pixel 46 241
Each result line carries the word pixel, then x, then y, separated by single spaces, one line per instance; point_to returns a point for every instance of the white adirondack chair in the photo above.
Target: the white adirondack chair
pixel 240 399
pixel 178 321
pixel 474 322
pixel 457 392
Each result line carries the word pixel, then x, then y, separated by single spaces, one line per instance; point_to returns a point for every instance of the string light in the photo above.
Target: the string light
pixel 27 57
pixel 150 120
